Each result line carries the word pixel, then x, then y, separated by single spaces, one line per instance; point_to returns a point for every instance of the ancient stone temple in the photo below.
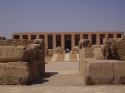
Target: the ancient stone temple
pixel 2 38
pixel 67 40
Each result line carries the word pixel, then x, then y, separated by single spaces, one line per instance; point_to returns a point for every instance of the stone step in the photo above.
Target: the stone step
pixel 54 57
pixel 60 58
pixel 67 57
pixel 73 57
pixel 77 57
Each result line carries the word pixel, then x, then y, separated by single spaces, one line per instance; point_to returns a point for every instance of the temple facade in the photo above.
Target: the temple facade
pixel 67 40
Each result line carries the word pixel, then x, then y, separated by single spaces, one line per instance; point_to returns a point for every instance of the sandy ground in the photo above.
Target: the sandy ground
pixel 62 78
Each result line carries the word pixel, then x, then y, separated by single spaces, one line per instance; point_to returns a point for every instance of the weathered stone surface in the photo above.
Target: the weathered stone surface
pixel 120 46
pixel 58 50
pixel 18 72
pixel 99 72
pixel 104 72
pixel 85 43
pixel 18 53
pixel 119 72
pixel 85 53
pixel 110 51
pixel 11 42
pixel 75 49
pixel 22 64
pixel 98 53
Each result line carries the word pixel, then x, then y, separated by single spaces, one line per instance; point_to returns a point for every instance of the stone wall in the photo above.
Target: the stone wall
pixel 95 70
pixel 104 72
pixel 21 62
pixel 98 39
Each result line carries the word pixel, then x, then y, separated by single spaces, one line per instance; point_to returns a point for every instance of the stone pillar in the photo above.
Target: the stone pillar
pixel 29 37
pixel 46 41
pixel 89 37
pixel 98 39
pixel 73 40
pixel 114 35
pixel 81 36
pixel 21 37
pixel 37 36
pixel 62 41
pixel 106 35
pixel 54 41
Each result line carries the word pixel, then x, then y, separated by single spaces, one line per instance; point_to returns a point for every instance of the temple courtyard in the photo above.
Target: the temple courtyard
pixel 61 77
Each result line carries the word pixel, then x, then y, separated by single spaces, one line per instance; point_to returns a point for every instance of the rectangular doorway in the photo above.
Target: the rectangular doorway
pixel 67 40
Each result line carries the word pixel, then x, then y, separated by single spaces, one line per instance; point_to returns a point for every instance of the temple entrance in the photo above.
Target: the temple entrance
pixel 67 43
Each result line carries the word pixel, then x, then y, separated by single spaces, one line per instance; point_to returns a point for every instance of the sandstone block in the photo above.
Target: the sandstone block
pixel 99 72
pixel 119 72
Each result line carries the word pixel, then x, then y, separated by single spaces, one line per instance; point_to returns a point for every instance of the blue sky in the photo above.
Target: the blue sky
pixel 61 15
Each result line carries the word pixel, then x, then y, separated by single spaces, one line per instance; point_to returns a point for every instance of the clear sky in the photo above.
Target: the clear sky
pixel 61 15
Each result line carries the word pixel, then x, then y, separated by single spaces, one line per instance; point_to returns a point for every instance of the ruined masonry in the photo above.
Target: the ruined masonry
pixel 21 61
pixel 95 69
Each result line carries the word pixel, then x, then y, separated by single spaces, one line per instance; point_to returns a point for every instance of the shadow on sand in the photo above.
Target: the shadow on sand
pixel 43 79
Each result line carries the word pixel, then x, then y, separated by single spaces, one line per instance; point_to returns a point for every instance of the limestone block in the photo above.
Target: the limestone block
pixel 19 72
pixel 99 72
pixel 119 72
pixel 98 53
pixel 11 42
pixel 17 53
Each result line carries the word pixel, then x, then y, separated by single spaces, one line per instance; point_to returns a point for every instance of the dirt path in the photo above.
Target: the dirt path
pixel 62 78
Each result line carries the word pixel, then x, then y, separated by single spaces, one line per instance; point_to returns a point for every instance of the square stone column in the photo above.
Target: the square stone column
pixel 54 41
pixel 97 39
pixel 37 36
pixel 73 40
pixel 46 41
pixel 62 41
pixel 81 36
pixel 114 35
pixel 106 35
pixel 29 37
pixel 89 37
pixel 21 37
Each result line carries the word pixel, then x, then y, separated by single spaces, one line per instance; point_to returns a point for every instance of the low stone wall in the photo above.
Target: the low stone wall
pixel 11 42
pixel 104 72
pixel 23 63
